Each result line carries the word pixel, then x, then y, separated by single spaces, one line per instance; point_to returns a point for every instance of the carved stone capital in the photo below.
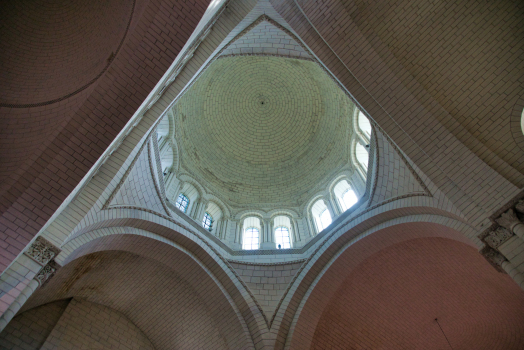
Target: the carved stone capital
pixel 46 273
pixel 42 251
pixel 493 257
pixel 508 220
pixel 520 206
pixel 497 237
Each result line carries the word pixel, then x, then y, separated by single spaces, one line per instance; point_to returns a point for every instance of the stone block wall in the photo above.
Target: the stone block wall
pixel 73 324
pixel 30 329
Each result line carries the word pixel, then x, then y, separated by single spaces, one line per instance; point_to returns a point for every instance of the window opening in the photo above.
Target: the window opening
pixel 207 223
pixel 348 199
pixel 324 220
pixel 250 240
pixel 364 124
pixel 182 202
pixel 282 237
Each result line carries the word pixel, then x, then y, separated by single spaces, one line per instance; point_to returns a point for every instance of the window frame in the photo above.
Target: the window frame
pixel 288 236
pixel 207 217
pixel 251 228
pixel 343 203
pixel 180 205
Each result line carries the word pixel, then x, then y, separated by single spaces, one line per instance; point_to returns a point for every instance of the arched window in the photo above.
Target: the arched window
pixel 207 223
pixel 282 226
pixel 182 202
pixel 215 214
pixel 362 156
pixel 321 215
pixel 364 125
pixel 166 158
pixel 282 238
pixel 251 237
pixel 345 195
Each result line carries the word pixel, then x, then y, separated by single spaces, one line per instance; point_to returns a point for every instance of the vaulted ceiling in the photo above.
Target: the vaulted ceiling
pixel 264 129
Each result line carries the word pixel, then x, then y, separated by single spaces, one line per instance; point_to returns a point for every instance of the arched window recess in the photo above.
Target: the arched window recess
pixel 321 215
pixel 207 222
pixel 364 127
pixel 251 234
pixel 345 195
pixel 282 232
pixel 182 203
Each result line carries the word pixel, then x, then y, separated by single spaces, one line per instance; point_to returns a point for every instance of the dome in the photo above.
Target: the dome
pixel 263 130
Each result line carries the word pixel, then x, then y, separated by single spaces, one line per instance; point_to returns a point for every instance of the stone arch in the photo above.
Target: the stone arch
pixel 381 235
pixel 159 260
pixel 162 247
pixel 208 251
pixel 226 212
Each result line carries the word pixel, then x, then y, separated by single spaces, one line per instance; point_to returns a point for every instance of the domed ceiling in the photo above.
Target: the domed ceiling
pixel 263 130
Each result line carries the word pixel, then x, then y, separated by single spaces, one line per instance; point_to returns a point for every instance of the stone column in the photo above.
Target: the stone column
pixel 216 227
pixel 311 225
pixel 268 239
pixel 296 233
pixel 196 209
pixel 201 210
pixel 43 252
pixel 18 303
pixel 498 261
pixel 510 221
pixel 238 233
pixel 335 205
pixel 179 189
pixel 327 202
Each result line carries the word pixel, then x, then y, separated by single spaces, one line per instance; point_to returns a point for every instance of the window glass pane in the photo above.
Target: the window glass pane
pixel 250 240
pixel 348 199
pixel 207 223
pixel 364 124
pixel 323 220
pixel 182 203
pixel 282 237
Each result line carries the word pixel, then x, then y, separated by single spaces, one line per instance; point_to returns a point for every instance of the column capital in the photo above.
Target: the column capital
pixel 511 221
pixel 42 251
pixel 498 236
pixel 46 272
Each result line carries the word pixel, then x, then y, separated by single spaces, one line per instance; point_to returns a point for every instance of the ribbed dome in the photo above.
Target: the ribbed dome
pixel 263 130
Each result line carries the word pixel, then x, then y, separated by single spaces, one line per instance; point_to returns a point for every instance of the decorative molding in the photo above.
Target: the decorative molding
pixel 266 264
pixel 268 55
pixel 42 251
pixel 46 273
